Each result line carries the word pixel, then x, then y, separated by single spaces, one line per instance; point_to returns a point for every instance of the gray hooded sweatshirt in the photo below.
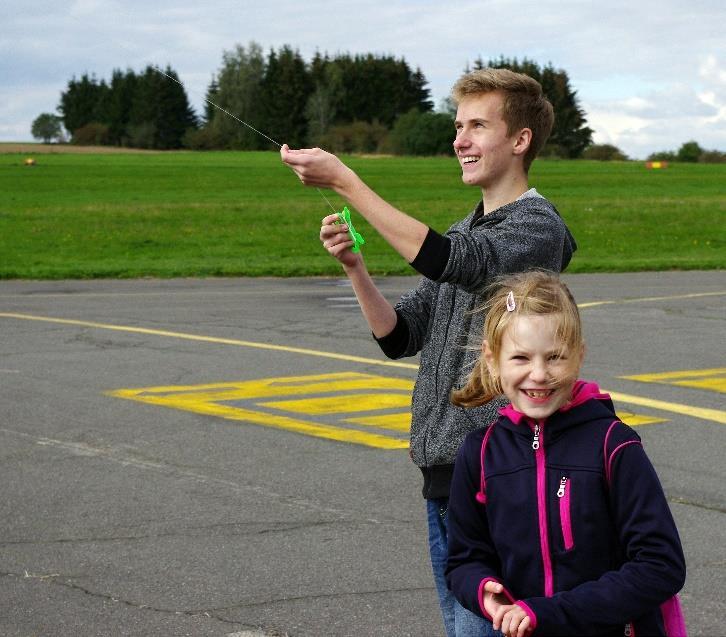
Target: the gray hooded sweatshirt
pixel 435 318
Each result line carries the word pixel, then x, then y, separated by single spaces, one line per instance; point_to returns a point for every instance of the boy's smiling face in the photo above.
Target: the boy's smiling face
pixel 486 154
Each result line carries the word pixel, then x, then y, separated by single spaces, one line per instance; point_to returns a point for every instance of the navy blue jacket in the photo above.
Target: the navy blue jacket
pixel 569 515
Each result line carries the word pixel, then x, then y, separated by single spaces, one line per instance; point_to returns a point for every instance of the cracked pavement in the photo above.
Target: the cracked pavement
pixel 125 518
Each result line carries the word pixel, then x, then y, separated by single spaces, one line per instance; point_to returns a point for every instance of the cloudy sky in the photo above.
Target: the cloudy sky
pixel 650 75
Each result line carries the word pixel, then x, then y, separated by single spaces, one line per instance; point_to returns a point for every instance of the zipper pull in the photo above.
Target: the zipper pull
pixel 535 441
pixel 561 490
pixel 628 630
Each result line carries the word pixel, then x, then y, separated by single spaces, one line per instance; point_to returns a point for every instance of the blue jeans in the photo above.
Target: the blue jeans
pixel 458 621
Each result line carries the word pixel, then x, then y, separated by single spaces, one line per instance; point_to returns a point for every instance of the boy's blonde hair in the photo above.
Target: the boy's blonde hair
pixel 533 293
pixel 525 105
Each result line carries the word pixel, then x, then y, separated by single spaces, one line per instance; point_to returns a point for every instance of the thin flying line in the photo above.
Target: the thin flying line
pixel 226 112
pixel 173 79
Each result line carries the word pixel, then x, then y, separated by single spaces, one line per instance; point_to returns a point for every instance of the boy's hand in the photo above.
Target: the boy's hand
pixel 315 167
pixel 336 240
pixel 512 620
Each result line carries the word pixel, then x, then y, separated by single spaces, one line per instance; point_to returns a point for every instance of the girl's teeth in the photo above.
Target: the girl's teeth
pixel 538 394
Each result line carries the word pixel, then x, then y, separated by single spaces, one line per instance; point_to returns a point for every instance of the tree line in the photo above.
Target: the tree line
pixel 345 103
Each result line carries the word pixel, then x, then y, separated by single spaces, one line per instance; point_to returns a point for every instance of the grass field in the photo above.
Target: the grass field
pixel 84 215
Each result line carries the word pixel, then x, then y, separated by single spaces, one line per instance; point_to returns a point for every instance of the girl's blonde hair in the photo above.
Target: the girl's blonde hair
pixel 527 294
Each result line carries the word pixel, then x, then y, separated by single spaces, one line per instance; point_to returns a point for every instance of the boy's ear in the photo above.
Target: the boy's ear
pixel 522 140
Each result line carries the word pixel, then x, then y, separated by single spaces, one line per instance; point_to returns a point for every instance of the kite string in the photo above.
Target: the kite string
pixel 226 112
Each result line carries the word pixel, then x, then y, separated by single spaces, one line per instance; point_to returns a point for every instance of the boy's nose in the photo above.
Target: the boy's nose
pixel 461 142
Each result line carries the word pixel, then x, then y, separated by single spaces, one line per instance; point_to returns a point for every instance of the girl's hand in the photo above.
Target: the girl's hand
pixel 512 620
pixel 337 241
pixel 493 597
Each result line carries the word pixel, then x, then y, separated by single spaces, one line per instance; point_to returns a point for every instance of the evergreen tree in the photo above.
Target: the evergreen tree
pixel 160 113
pixel 286 89
pixel 121 94
pixel 79 102
pixel 212 96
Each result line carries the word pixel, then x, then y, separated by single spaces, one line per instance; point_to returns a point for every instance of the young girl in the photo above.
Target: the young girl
pixel 558 523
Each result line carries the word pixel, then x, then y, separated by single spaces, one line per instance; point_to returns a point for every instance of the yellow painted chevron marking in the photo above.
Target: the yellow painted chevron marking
pixel 635 420
pixel 394 422
pixel 217 399
pixel 711 379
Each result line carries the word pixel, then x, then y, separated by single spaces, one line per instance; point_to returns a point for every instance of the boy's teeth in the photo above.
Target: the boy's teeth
pixel 469 159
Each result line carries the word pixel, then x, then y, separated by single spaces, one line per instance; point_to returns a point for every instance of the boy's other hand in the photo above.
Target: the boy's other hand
pixel 336 240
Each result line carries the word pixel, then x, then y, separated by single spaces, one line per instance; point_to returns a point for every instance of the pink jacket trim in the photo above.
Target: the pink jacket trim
pixel 505 592
pixel 530 612
pixel 673 620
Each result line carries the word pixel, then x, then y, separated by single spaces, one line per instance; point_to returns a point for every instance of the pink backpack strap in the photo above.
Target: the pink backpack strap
pixel 609 456
pixel 481 495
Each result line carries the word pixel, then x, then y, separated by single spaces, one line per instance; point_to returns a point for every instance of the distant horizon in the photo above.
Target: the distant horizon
pixel 649 77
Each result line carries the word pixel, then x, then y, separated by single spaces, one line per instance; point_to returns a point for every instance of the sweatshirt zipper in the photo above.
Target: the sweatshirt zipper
pixel 540 460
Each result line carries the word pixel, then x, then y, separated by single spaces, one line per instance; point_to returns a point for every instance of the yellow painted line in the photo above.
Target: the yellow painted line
pixel 715 415
pixel 285 386
pixel 687 373
pixel 214 399
pixel 228 412
pixel 635 420
pixel 709 379
pixel 645 299
pixel 711 384
pixel 697 412
pixel 340 404
pixel 212 339
pixel 394 422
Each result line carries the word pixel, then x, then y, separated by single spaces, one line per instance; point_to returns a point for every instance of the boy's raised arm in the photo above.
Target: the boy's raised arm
pixel 316 167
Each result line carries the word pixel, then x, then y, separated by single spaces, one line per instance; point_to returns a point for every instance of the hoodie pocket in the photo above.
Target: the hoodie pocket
pixel 563 493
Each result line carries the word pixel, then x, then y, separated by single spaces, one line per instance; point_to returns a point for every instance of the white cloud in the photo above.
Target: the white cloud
pixel 650 75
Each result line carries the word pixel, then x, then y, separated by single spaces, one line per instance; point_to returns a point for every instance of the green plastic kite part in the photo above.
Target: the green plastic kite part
pixel 355 236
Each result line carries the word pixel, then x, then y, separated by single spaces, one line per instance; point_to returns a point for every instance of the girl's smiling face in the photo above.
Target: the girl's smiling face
pixel 535 370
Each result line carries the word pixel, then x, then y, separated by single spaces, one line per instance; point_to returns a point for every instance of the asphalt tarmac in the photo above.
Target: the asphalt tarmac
pixel 227 457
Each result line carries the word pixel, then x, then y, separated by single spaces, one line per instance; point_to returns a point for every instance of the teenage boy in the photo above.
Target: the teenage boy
pixel 502 122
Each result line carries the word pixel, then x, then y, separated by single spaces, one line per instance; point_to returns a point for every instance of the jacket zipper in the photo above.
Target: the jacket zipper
pixel 563 493
pixel 539 455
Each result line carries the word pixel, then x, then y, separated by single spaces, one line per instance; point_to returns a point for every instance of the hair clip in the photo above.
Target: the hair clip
pixel 511 305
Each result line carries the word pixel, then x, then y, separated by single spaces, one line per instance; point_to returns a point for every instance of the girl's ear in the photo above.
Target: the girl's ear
pixel 489 359
pixel 583 351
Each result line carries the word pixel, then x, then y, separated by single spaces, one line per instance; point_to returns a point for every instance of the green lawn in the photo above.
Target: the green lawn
pixel 223 213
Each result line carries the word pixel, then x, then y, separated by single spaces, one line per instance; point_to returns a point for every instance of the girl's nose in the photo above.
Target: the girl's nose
pixel 538 372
